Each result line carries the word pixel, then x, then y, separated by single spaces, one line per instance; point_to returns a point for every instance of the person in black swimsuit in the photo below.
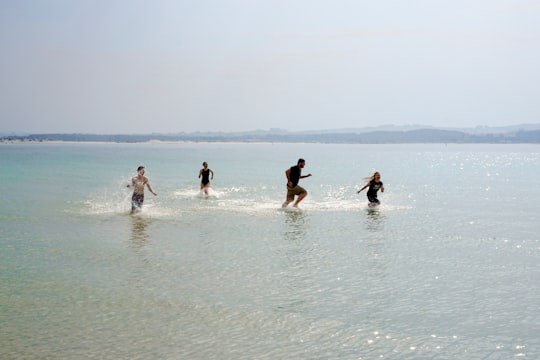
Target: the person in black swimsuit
pixel 374 183
pixel 206 174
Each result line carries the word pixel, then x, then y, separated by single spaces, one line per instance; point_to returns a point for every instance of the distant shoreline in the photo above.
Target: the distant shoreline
pixel 150 142
pixel 187 142
pixel 513 135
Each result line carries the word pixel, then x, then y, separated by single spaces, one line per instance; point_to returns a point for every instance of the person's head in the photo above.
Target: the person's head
pixel 375 176
pixel 205 164
pixel 140 169
pixel 301 163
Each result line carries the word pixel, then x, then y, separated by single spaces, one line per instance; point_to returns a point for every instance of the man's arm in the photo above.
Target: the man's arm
pixel 287 174
pixel 150 187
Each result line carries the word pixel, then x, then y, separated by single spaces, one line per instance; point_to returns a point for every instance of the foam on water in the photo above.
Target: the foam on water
pixel 240 199
pixel 245 200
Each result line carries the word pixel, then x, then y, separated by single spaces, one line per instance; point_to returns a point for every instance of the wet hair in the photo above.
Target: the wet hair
pixel 140 168
pixel 205 163
pixel 301 161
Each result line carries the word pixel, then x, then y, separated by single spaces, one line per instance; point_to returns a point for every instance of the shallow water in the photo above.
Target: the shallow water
pixel 446 267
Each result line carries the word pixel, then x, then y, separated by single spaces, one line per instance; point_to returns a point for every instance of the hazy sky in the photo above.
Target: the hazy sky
pixel 130 66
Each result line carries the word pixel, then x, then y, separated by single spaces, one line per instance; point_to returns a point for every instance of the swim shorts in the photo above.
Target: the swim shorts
pixel 373 199
pixel 292 191
pixel 137 200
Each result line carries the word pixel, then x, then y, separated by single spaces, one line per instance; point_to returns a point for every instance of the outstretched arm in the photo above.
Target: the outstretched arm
pixel 363 188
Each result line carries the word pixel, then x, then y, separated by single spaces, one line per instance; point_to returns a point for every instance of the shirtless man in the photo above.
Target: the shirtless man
pixel 138 182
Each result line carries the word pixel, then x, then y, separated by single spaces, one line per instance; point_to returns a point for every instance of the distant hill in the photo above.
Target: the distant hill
pixel 389 134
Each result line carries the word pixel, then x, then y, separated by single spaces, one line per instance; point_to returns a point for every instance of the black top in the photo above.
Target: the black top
pixel 374 186
pixel 294 175
pixel 205 176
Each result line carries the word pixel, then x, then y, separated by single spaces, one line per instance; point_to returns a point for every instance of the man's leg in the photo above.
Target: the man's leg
pixel 288 198
pixel 300 198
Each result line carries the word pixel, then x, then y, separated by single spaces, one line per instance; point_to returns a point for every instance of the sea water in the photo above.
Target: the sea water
pixel 448 267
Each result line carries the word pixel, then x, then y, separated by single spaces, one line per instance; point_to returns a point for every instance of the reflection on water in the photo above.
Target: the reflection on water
pixel 296 225
pixel 374 219
pixel 295 263
pixel 139 234
pixel 140 263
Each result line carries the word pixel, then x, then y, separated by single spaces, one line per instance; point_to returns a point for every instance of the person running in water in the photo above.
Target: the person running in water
pixel 138 183
pixel 294 174
pixel 206 174
pixel 374 183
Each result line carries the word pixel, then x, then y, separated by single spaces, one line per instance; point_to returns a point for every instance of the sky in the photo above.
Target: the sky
pixel 133 67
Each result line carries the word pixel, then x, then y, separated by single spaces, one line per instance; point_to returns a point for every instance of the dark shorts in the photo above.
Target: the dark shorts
pixel 373 199
pixel 137 200
pixel 292 191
